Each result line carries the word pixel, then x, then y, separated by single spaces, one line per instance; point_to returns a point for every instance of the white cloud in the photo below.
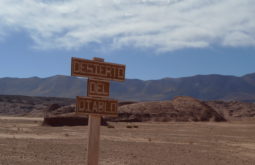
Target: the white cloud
pixel 165 25
pixel 239 39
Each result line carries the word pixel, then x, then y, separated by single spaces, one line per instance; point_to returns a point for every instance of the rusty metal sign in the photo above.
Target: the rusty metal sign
pixel 100 106
pixel 98 88
pixel 97 69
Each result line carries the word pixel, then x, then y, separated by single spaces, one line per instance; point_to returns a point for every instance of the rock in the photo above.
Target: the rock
pixel 68 120
pixel 179 109
pixel 53 107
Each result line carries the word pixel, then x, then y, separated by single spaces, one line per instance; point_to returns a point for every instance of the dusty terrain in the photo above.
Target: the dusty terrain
pixel 23 141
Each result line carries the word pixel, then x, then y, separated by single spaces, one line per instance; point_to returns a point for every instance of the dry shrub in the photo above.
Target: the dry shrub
pixel 129 126
pixel 110 126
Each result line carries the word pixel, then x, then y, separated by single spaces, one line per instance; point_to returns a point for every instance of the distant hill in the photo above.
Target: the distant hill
pixel 181 108
pixel 205 87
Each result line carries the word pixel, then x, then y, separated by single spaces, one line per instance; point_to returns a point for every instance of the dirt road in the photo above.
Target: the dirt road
pixel 23 141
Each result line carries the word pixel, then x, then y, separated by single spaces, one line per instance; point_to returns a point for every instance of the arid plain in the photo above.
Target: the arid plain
pixel 24 141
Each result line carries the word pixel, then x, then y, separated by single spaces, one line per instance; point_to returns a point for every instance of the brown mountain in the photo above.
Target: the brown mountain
pixel 205 87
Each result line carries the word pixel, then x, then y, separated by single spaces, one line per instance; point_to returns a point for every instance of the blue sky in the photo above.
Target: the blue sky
pixel 155 39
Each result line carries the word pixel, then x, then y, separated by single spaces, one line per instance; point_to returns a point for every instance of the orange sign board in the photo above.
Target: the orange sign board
pixel 100 106
pixel 98 88
pixel 97 69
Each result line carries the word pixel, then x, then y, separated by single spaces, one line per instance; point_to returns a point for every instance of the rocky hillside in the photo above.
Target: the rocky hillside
pixel 179 109
pixel 233 109
pixel 204 87
pixel 29 106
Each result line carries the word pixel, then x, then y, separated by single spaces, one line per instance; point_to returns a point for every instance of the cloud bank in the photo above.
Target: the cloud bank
pixel 164 25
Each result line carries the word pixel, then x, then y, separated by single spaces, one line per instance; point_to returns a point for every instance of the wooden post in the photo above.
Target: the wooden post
pixel 94 134
pixel 94 138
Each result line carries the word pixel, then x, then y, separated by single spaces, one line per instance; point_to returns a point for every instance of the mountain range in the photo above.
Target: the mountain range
pixel 205 87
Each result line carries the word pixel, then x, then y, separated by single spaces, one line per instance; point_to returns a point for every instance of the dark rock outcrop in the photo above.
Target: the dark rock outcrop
pixel 69 120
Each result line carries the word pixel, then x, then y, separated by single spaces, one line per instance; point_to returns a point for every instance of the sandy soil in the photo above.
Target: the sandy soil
pixel 23 141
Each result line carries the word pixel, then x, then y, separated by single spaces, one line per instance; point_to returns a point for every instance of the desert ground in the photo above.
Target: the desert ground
pixel 24 141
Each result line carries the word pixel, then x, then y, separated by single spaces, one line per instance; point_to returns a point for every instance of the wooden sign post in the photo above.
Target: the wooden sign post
pixel 96 104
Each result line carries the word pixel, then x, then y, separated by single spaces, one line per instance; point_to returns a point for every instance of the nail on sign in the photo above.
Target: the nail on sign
pixel 96 69
pixel 100 106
